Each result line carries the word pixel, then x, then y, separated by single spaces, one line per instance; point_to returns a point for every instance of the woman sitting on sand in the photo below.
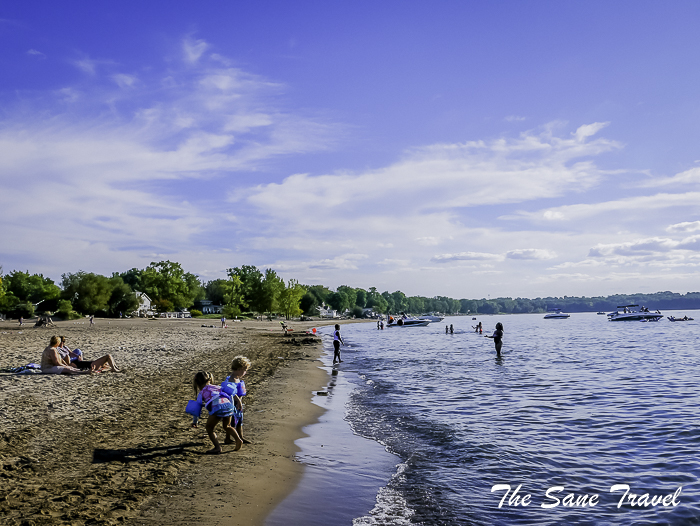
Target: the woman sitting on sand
pixel 75 358
pixel 53 363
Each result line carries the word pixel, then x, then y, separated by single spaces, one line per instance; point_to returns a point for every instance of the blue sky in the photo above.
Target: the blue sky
pixel 467 149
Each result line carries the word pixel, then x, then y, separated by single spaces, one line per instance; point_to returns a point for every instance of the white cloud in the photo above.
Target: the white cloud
pixel 467 256
pixel 447 176
pixel 106 176
pixel 684 179
pixel 530 253
pixel 124 81
pixel 588 130
pixel 687 226
pixel 86 65
pixel 194 49
pixel 36 53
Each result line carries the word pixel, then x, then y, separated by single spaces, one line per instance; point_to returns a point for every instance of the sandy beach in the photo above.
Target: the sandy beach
pixel 118 448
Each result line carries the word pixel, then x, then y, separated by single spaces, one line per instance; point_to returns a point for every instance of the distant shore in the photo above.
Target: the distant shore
pixel 117 448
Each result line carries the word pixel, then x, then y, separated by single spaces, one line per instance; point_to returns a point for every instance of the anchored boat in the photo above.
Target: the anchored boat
pixel 633 313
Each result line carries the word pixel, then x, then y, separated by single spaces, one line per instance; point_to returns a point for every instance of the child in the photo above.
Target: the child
pixel 498 338
pixel 236 386
pixel 219 406
pixel 337 340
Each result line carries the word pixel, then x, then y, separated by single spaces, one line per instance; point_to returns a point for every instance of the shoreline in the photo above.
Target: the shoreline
pixel 117 448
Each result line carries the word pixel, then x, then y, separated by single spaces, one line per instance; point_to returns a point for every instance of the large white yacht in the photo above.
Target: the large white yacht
pixel 634 313
pixel 556 314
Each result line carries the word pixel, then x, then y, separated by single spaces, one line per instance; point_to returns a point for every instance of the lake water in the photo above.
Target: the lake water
pixel 422 425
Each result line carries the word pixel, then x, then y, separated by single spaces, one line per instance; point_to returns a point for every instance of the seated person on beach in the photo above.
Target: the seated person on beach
pixel 75 358
pixel 53 363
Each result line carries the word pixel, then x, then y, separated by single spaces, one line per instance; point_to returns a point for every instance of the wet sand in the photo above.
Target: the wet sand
pixel 117 448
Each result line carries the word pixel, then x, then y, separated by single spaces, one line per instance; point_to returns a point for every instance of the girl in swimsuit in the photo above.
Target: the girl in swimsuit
pixel 498 338
pixel 220 408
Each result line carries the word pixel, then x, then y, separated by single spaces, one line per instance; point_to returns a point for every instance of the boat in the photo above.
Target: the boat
pixel 601 312
pixel 684 318
pixel 406 321
pixel 556 314
pixel 633 313
pixel 432 317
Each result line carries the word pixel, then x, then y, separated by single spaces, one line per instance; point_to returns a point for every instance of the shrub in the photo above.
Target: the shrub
pixel 196 313
pixel 23 310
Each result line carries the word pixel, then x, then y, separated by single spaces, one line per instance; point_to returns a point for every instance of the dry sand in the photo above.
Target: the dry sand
pixel 117 448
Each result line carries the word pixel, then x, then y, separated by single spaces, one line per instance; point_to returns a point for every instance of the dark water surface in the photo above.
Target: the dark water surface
pixel 583 404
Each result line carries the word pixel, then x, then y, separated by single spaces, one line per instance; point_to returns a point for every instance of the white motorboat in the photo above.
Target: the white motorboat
pixel 556 314
pixel 633 313
pixel 405 321
pixel 432 317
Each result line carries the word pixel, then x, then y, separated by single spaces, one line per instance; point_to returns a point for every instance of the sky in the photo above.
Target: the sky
pixel 466 149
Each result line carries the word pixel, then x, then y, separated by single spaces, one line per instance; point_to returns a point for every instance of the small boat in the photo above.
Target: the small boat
pixel 599 313
pixel 630 313
pixel 684 318
pixel 556 314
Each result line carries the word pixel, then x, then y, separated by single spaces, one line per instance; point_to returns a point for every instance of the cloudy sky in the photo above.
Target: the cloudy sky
pixel 467 149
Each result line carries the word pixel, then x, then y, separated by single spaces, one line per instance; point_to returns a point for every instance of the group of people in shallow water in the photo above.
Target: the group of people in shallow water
pixel 222 402
pixel 58 358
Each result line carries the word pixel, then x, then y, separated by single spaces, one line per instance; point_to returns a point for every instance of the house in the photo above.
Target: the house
pixel 145 308
pixel 208 307
pixel 180 313
pixel 326 312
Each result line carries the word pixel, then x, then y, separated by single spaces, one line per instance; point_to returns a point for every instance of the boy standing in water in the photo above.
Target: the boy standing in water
pixel 498 338
pixel 337 340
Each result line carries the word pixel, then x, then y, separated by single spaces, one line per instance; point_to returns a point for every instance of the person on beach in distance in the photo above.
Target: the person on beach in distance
pixel 21 321
pixel 53 363
pixel 223 322
pixel 239 366
pixel 452 329
pixel 497 338
pixel 75 359
pixel 220 408
pixel 337 340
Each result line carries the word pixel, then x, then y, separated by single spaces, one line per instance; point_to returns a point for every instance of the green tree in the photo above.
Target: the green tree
pixel 167 281
pixel 415 305
pixel 351 295
pixel 376 301
pixel 132 278
pixel 400 303
pixel 216 290
pixel 308 303
pixel 251 286
pixel 290 298
pixel 361 298
pixel 338 301
pixel 233 300
pixel 34 288
pixel 271 287
pixel 89 293
pixel 122 300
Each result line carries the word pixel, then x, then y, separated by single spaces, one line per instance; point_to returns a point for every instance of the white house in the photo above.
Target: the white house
pixel 208 307
pixel 144 308
pixel 326 312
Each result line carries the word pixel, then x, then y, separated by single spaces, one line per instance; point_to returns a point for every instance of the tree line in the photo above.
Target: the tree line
pixel 247 291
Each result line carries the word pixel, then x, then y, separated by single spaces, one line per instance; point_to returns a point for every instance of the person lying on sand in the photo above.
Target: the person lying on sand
pixel 53 363
pixel 76 359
